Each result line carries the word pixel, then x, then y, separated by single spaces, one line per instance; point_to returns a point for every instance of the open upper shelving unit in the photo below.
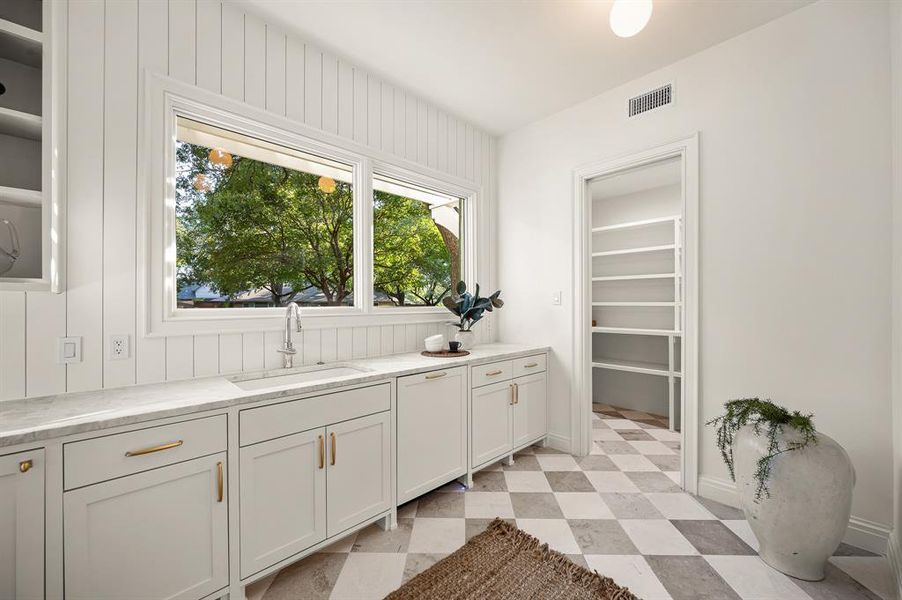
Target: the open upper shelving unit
pixel 29 147
pixel 636 294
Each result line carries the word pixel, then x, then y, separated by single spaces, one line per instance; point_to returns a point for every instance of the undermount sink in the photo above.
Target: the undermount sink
pixel 277 380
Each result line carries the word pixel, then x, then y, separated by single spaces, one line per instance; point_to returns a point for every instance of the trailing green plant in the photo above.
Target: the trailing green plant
pixel 470 308
pixel 763 416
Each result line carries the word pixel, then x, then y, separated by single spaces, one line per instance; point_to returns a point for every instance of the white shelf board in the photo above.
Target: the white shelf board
pixel 637 331
pixel 20 44
pixel 637 277
pixel 631 366
pixel 635 304
pixel 641 250
pixel 20 196
pixel 20 124
pixel 636 224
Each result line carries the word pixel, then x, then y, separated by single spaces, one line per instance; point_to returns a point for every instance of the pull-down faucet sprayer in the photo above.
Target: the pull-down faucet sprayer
pixel 288 350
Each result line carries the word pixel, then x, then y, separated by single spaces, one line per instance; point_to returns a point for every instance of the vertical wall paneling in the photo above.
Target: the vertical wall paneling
pixel 12 345
pixel 252 352
pixel 230 353
pixel 294 79
pixel 272 341
pixel 330 93
pixel 208 49
pixel 84 304
pixel 275 71
pixel 313 86
pixel 345 100
pixel 219 48
pixel 254 61
pixel 388 118
pixel 232 52
pixel 182 49
pixel 153 55
pixel 206 355
pixel 119 171
pixel 361 97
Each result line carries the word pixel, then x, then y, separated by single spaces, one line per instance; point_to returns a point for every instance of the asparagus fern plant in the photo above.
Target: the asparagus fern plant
pixel 763 416
pixel 470 308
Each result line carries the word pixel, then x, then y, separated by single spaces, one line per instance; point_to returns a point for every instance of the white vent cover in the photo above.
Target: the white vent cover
pixel 658 97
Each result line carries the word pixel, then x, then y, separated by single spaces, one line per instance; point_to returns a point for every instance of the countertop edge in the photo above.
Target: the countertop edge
pixel 377 369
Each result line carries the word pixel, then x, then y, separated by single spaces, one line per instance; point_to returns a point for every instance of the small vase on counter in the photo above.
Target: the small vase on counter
pixel 469 309
pixel 466 338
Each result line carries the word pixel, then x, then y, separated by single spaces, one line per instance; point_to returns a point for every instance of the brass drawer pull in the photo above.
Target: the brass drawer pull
pixel 322 452
pixel 144 451
pixel 219 481
pixel 436 375
pixel 333 448
pixel 25 466
pixel 530 365
pixel 516 393
pixel 493 373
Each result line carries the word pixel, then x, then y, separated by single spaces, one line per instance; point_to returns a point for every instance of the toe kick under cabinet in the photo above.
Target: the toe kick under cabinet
pixel 508 408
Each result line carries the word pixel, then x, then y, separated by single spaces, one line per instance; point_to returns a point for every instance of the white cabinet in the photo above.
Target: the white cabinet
pixel 508 414
pixel 529 409
pixel 491 422
pixel 282 498
pixel 162 533
pixel 358 478
pixel 432 430
pixel 22 525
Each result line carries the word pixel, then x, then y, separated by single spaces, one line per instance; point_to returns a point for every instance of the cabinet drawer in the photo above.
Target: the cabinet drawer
pixel 491 373
pixel 276 420
pixel 111 456
pixel 529 364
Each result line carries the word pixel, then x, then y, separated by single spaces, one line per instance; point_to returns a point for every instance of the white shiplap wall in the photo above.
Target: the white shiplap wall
pixel 222 49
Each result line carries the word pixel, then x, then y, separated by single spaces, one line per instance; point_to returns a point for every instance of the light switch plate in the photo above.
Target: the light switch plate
pixel 69 350
pixel 556 298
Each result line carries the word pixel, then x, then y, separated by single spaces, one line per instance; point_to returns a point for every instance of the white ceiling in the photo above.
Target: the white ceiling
pixel 504 63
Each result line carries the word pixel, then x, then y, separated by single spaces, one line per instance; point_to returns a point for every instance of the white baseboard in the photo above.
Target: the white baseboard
pixel 559 442
pixel 861 533
pixel 894 556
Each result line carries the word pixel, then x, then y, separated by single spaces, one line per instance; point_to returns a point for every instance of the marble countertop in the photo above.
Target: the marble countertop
pixel 33 419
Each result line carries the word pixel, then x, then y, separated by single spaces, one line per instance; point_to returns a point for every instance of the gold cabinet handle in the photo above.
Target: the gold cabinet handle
pixel 219 481
pixel 436 375
pixel 333 448
pixel 530 365
pixel 493 373
pixel 25 466
pixel 322 452
pixel 516 393
pixel 144 451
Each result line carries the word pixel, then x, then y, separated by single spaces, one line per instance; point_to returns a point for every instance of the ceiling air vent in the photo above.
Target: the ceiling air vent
pixel 658 97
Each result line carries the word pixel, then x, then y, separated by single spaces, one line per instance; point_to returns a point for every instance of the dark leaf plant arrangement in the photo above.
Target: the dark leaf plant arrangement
pixel 470 308
pixel 763 416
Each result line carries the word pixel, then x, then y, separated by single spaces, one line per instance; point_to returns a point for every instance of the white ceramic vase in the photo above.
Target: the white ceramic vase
pixel 802 522
pixel 467 339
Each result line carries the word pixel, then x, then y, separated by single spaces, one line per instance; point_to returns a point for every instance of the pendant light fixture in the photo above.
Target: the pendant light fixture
pixel 326 184
pixel 629 17
pixel 220 158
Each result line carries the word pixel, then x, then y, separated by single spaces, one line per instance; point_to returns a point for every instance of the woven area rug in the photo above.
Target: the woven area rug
pixel 504 563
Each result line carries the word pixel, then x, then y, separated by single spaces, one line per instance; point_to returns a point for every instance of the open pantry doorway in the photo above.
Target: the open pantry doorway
pixel 636 311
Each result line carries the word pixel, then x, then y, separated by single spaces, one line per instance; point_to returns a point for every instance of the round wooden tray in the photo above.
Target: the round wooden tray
pixel 445 353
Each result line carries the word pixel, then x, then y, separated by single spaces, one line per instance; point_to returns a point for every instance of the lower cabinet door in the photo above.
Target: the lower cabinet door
pixel 22 525
pixel 282 498
pixel 491 422
pixel 358 474
pixel 530 408
pixel 158 534
pixel 432 430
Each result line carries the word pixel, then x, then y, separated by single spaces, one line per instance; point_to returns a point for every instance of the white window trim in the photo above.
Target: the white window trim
pixel 162 101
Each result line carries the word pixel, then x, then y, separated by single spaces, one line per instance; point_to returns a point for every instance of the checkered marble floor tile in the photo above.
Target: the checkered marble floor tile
pixel 619 511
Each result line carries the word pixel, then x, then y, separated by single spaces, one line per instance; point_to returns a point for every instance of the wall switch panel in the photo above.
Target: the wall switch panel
pixel 119 347
pixel 556 298
pixel 69 350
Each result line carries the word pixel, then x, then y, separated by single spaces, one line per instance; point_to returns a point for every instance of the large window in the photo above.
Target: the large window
pixel 416 244
pixel 260 225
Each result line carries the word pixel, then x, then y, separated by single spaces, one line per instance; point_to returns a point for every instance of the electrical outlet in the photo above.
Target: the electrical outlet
pixel 118 347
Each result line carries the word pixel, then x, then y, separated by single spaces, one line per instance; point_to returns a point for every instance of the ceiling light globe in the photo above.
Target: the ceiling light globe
pixel 629 17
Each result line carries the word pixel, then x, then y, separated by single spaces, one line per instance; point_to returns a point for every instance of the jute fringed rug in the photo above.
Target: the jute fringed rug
pixel 505 563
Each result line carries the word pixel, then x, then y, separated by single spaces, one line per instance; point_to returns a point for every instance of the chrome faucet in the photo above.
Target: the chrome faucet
pixel 288 350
